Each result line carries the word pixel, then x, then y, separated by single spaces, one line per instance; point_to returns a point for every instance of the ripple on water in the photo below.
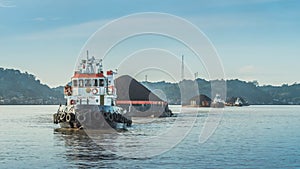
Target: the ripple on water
pixel 247 137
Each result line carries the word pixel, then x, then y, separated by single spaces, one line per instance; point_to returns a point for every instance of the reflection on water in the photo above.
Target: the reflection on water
pixel 81 150
pixel 93 148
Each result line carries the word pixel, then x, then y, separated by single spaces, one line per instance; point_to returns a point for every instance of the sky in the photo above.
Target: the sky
pixel 254 39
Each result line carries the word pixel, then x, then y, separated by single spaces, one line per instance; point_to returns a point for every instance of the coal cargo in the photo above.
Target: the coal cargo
pixel 199 101
pixel 138 100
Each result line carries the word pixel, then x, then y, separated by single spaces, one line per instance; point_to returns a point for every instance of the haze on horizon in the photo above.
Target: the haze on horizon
pixel 255 39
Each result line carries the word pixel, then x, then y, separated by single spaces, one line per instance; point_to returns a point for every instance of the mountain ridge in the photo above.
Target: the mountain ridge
pixel 24 88
pixel 250 91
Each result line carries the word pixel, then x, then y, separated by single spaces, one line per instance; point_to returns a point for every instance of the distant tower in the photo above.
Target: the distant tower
pixel 196 75
pixel 182 67
pixel 146 78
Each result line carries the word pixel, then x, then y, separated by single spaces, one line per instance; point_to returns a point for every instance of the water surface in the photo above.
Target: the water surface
pixel 246 137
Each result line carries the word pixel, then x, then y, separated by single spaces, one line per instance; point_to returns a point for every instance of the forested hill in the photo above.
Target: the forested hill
pixel 23 88
pixel 250 91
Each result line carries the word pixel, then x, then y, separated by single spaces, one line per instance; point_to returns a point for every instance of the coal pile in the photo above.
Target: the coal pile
pixel 200 101
pixel 138 100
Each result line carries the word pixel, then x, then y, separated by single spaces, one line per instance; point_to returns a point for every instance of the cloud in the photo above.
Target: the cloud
pixel 7 4
pixel 248 69
pixel 39 19
pixel 82 30
pixel 227 3
pixel 42 19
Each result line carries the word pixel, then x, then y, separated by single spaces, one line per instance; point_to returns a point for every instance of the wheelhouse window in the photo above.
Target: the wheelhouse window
pixel 101 82
pixel 87 82
pixel 95 82
pixel 80 83
pixel 75 84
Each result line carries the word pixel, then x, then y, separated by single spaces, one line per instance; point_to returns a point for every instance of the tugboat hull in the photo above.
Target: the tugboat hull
pixel 92 117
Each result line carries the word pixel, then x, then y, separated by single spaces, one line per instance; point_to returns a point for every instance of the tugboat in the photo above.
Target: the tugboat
pixel 91 99
pixel 238 102
pixel 218 102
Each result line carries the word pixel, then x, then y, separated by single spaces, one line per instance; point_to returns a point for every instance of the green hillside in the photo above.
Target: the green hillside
pixel 250 91
pixel 23 88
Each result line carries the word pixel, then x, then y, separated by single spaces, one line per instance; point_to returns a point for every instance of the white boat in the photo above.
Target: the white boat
pixel 238 102
pixel 218 102
pixel 91 99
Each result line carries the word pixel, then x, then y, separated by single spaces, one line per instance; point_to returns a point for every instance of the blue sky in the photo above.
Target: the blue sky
pixel 255 39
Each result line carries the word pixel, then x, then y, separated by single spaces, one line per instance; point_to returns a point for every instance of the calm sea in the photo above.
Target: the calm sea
pixel 245 137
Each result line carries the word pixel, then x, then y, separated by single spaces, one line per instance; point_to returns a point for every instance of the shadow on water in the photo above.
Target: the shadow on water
pixel 82 151
pixel 90 148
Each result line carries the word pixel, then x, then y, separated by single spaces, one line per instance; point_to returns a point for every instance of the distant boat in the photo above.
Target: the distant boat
pixel 218 102
pixel 237 101
pixel 199 101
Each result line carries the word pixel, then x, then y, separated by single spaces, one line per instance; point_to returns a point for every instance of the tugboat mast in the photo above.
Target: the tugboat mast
pixel 91 89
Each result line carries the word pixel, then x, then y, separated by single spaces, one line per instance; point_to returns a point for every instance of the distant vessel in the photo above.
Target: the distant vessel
pixel 218 102
pixel 237 101
pixel 199 101
pixel 91 99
